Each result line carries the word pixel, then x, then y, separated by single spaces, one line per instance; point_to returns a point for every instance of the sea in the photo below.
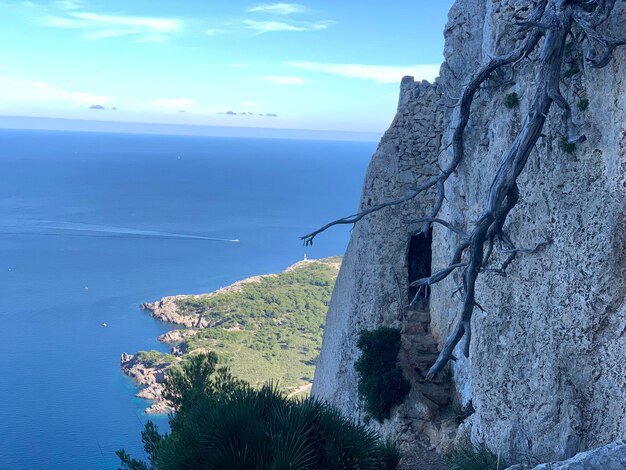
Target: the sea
pixel 93 224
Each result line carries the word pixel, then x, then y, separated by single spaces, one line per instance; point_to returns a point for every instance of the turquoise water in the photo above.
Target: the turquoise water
pixel 91 225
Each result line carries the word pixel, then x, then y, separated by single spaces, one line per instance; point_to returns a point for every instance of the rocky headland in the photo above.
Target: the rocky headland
pixel 286 335
pixel 150 378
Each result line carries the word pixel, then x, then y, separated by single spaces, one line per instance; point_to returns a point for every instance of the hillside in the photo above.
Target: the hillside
pixel 263 328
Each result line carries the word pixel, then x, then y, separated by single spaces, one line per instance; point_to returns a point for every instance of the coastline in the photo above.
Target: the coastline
pixel 147 369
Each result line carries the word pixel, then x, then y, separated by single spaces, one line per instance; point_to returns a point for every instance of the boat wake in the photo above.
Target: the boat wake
pixel 77 229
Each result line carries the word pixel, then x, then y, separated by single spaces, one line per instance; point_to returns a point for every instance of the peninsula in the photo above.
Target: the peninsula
pixel 263 328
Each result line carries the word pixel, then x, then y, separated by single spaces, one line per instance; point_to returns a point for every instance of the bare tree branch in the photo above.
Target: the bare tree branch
pixel 459 124
pixel 552 21
pixel 429 183
pixel 559 17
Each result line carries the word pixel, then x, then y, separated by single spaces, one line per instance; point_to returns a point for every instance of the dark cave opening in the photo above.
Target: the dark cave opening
pixel 419 260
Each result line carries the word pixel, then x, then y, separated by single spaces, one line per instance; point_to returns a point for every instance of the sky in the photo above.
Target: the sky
pixel 324 64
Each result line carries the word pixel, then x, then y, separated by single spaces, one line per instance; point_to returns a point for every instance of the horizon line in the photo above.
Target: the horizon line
pixel 16 122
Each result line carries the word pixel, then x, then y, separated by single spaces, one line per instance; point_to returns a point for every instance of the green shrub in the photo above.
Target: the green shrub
pixel 155 358
pixel 469 456
pixel 511 100
pixel 569 45
pixel 222 423
pixel 196 379
pixel 566 146
pixel 583 104
pixel 390 455
pixel 573 69
pixel 381 384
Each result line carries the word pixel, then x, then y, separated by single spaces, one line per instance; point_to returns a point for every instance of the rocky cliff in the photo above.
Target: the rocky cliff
pixel 545 374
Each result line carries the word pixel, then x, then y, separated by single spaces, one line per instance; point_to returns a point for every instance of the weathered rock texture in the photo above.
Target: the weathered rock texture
pixel 546 374
pixel 372 286
pixel 610 457
pixel 150 378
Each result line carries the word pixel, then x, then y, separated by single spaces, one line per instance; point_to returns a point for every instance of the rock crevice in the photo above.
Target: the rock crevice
pixel 545 373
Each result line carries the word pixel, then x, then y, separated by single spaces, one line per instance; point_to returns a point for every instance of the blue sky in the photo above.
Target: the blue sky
pixel 328 64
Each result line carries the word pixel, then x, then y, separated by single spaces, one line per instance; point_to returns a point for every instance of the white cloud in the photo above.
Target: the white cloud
pixel 62 22
pixel 320 25
pixel 213 31
pixel 274 26
pixel 376 73
pixel 278 8
pixel 284 80
pixel 68 4
pixel 97 26
pixel 109 33
pixel 268 26
pixel 158 25
pixel 153 38
pixel 29 92
pixel 173 104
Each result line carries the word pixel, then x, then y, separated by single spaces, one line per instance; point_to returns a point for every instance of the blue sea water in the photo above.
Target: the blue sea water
pixel 89 229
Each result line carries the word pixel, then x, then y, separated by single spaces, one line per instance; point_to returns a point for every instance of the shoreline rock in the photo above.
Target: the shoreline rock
pixel 176 336
pixel 151 377
pixel 166 310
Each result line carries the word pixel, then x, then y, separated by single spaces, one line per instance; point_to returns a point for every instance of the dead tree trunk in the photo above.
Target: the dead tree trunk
pixel 549 26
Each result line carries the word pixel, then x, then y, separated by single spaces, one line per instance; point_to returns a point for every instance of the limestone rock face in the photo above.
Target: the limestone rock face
pixel 610 457
pixel 546 373
pixel 372 285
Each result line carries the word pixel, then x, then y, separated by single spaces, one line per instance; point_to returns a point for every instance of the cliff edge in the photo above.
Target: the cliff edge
pixel 545 375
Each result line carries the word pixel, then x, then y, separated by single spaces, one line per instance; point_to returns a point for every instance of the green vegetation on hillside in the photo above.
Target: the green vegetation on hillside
pixel 266 330
pixel 511 100
pixel 465 455
pixel 222 423
pixel 381 384
pixel 155 358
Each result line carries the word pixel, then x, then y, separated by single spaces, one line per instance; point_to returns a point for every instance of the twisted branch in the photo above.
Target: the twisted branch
pixel 552 21
pixel 460 123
